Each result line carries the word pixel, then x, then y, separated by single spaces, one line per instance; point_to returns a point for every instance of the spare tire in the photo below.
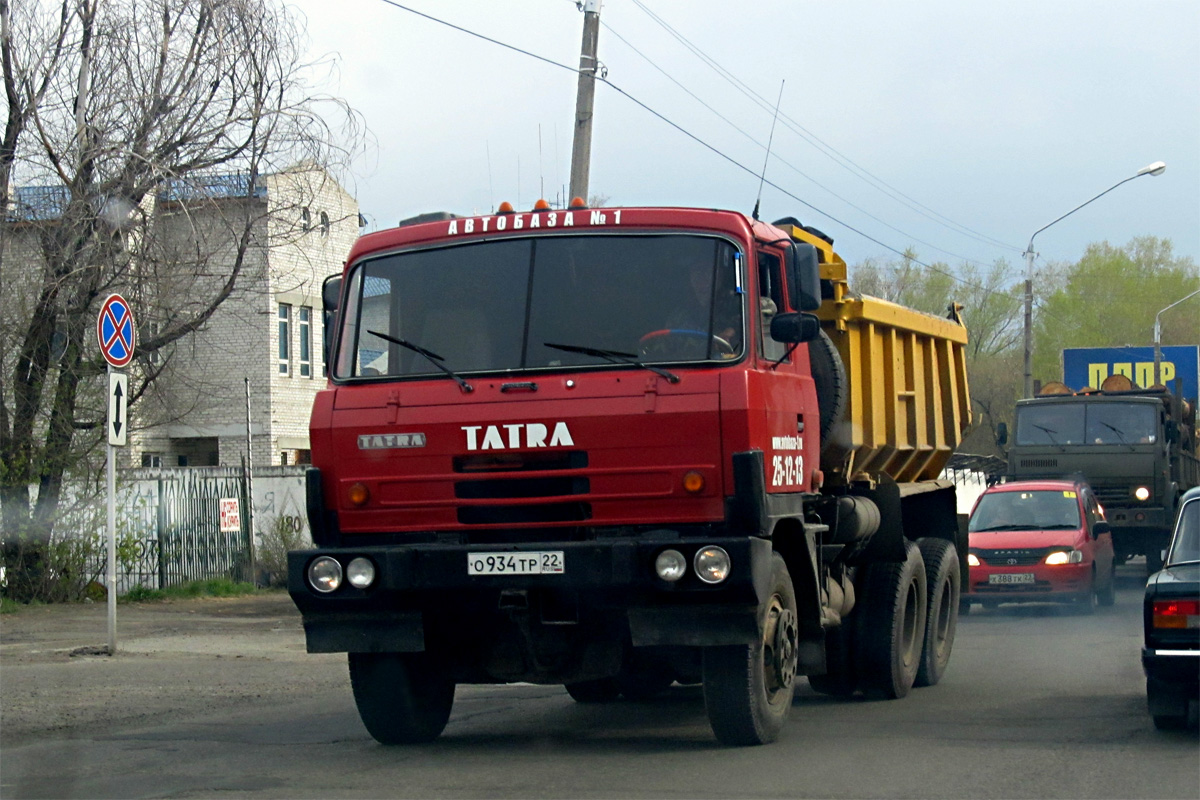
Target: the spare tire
pixel 829 374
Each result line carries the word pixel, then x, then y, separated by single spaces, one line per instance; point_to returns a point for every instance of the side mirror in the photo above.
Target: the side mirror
pixel 331 297
pixel 794 328
pixel 1002 434
pixel 1100 528
pixel 804 277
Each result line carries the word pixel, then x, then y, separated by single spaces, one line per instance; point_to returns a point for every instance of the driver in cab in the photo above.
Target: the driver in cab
pixel 703 314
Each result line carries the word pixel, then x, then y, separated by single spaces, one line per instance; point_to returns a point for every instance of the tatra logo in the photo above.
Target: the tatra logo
pixel 540 219
pixel 518 434
pixel 387 441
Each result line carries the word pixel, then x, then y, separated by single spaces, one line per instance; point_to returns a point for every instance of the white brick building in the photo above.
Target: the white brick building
pixel 267 335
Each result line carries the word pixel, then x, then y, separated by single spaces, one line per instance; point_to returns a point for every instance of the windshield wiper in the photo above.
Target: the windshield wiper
pixel 1120 434
pixel 613 357
pixel 1048 432
pixel 434 358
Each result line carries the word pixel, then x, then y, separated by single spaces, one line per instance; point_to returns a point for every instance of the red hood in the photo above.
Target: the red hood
pixel 1008 540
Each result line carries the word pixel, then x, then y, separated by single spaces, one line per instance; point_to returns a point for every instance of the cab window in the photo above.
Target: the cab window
pixel 770 302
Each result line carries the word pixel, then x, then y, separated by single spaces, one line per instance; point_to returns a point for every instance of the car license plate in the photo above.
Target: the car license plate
pixel 544 562
pixel 1011 577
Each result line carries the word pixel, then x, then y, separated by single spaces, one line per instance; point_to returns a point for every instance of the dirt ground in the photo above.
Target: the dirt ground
pixel 172 658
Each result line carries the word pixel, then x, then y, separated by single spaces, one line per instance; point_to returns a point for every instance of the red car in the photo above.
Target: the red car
pixel 1037 541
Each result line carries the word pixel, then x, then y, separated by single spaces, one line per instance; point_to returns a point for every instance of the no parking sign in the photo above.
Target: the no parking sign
pixel 115 331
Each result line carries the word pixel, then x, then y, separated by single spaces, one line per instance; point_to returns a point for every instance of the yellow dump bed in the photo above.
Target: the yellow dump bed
pixel 907 406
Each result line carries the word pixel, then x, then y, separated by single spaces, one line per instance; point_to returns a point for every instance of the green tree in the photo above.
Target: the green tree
pixel 1109 299
pixel 991 308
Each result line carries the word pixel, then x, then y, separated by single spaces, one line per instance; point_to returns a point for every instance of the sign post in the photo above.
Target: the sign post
pixel 116 333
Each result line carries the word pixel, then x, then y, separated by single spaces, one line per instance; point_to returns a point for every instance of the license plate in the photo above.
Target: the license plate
pixel 1018 577
pixel 545 562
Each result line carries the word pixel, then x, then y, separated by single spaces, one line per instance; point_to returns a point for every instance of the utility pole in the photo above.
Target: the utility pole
pixel 581 150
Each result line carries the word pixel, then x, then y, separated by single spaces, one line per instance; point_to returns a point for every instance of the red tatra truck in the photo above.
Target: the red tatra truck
pixel 613 449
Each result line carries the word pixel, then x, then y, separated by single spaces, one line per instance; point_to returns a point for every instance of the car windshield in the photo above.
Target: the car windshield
pixel 1185 547
pixel 1026 510
pixel 544 303
pixel 1086 423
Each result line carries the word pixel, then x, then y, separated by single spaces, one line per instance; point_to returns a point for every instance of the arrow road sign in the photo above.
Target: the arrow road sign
pixel 115 331
pixel 118 401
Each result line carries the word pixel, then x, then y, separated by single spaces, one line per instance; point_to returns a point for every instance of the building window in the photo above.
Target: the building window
pixel 151 459
pixel 152 358
pixel 305 221
pixel 285 334
pixel 305 342
pixel 183 461
pixel 324 224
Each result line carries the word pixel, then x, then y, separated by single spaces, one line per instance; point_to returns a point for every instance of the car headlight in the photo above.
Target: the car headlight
pixel 1065 557
pixel 1142 493
pixel 712 564
pixel 325 574
pixel 670 565
pixel 360 572
pixel 973 560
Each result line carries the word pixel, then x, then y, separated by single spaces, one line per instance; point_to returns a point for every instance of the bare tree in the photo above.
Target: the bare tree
pixel 119 114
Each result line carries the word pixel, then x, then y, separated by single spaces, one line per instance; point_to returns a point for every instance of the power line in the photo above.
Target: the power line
pixel 698 140
pixel 782 160
pixel 825 148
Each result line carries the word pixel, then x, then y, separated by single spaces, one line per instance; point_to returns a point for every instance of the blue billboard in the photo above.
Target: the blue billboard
pixel 1085 367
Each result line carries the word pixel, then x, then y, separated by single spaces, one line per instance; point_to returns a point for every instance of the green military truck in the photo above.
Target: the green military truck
pixel 1136 447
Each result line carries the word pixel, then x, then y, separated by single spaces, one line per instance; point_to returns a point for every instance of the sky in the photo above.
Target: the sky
pixel 956 129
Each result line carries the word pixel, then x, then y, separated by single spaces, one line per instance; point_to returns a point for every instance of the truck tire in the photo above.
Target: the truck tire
pixel 402 698
pixel 942 589
pixel 840 678
pixel 748 688
pixel 892 626
pixel 601 690
pixel 829 375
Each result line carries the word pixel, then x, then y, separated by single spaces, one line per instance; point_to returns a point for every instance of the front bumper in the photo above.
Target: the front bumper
pixel 422 585
pixel 1059 583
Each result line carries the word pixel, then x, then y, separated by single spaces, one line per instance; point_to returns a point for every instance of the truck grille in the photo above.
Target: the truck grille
pixel 1039 463
pixel 510 484
pixel 1112 496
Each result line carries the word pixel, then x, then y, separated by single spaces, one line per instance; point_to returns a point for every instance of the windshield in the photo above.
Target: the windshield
pixel 1185 548
pixel 549 302
pixel 1019 511
pixel 1087 423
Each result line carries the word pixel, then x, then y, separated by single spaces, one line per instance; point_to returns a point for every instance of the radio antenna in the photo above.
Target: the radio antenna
pixel 763 178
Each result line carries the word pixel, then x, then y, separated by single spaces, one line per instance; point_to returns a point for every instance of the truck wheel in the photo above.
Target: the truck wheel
pixel 892 626
pixel 402 698
pixel 942 582
pixel 748 688
pixel 840 679
pixel 602 690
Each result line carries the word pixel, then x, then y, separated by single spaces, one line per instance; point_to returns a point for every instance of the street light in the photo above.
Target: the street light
pixel 1157 168
pixel 1158 335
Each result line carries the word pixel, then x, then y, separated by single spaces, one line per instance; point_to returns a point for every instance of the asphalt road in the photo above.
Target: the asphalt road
pixel 217 698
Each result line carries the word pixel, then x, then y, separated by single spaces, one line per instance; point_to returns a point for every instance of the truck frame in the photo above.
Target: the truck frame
pixel 530 465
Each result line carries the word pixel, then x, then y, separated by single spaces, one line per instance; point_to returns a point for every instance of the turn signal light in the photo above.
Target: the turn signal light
pixel 358 494
pixel 693 482
pixel 1176 613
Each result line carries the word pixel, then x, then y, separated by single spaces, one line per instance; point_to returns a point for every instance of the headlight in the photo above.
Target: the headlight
pixel 972 560
pixel 325 574
pixel 360 572
pixel 712 564
pixel 1142 493
pixel 1065 557
pixel 670 565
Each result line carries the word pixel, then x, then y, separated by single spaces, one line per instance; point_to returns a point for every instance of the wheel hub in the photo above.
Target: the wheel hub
pixel 780 640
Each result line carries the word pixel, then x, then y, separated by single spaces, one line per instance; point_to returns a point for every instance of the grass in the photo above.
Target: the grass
pixel 215 587
pixel 9 606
